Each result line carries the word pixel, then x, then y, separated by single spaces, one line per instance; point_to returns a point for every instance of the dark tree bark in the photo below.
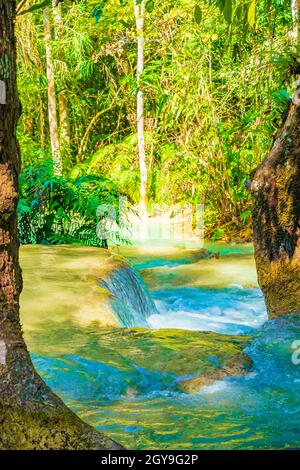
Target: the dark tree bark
pixel 31 415
pixel 276 218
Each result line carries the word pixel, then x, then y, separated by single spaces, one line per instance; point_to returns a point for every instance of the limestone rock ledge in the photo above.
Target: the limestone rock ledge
pixel 61 283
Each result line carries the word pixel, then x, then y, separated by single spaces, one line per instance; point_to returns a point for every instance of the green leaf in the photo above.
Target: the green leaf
pixel 220 4
pixel 198 14
pixel 239 12
pixel 150 6
pixel 227 11
pixel 251 13
pixel 281 96
pixel 37 6
pixel 125 23
pixel 97 12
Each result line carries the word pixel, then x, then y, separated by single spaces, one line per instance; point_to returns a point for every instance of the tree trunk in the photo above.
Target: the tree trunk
pixel 31 415
pixel 276 218
pixel 139 17
pixel 295 5
pixel 63 108
pixel 276 210
pixel 57 18
pixel 52 111
pixel 64 125
pixel 42 113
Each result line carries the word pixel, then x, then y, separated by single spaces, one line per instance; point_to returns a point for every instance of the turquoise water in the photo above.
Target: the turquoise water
pixel 232 310
pixel 143 409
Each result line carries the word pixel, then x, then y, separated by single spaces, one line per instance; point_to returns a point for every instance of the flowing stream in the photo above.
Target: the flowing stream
pixel 118 380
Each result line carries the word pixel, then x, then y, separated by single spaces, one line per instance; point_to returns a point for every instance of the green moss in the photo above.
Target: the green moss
pixel 285 199
pixel 40 429
pixel 280 282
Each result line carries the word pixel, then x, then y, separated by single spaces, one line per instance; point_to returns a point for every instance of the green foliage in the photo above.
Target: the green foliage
pixel 217 79
pixel 35 6
pixel 97 12
pixel 56 210
pixel 198 14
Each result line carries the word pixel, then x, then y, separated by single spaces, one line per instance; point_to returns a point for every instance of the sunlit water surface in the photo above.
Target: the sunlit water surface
pixel 140 408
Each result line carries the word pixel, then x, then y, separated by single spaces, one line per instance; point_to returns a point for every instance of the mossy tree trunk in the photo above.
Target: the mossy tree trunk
pixel 276 218
pixel 31 416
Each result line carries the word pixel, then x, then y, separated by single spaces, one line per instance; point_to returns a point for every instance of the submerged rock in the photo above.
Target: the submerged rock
pixel 193 358
pixel 240 365
pixel 106 364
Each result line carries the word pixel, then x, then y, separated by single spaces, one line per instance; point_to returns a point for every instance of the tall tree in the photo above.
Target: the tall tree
pixel 139 10
pixel 276 209
pixel 31 415
pixel 295 14
pixel 52 106
pixel 63 107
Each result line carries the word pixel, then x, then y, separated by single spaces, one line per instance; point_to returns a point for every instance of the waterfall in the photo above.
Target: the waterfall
pixel 130 301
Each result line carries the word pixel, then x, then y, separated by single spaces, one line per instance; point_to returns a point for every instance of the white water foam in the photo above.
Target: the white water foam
pixel 232 310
